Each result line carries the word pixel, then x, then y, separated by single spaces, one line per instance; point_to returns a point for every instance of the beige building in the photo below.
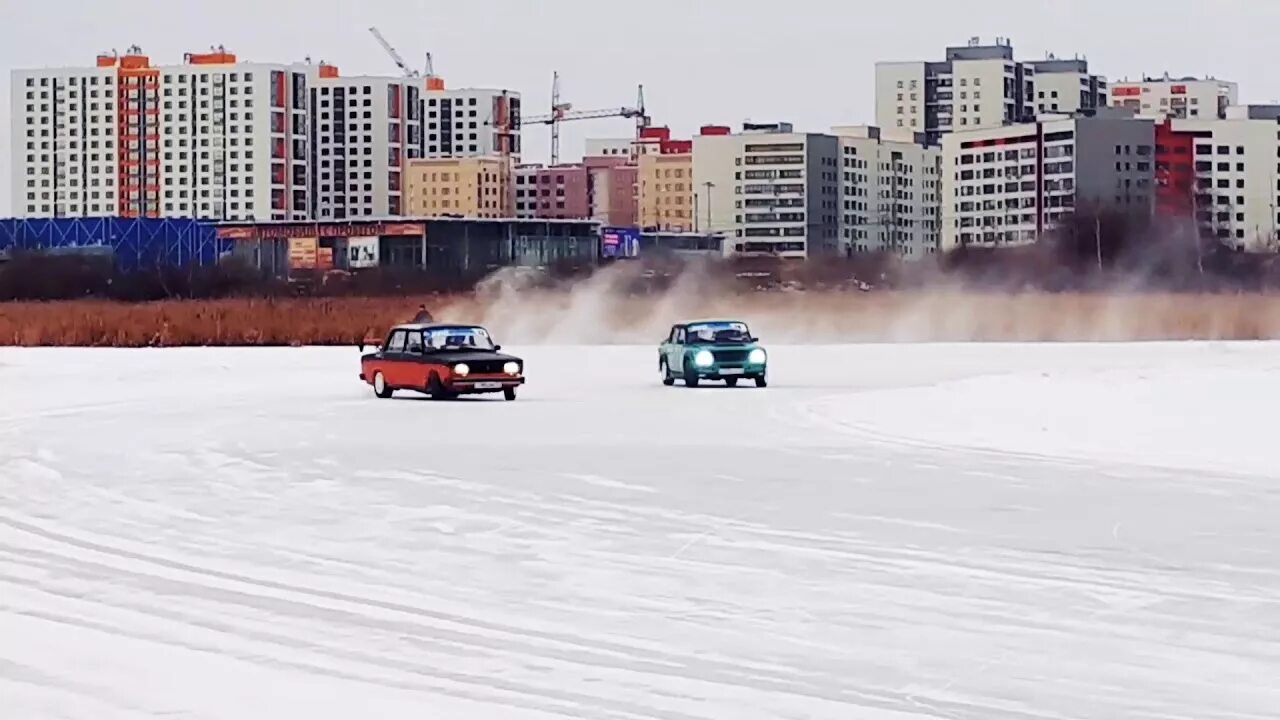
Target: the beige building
pixel 465 187
pixel 665 193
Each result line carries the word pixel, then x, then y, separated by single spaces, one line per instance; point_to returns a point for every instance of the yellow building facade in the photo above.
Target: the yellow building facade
pixel 665 197
pixel 467 187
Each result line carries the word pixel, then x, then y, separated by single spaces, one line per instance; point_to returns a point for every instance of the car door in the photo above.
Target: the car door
pixel 394 361
pixel 416 363
pixel 675 353
pixel 664 349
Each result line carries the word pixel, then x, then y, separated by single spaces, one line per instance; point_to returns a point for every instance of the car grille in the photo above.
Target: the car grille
pixel 487 366
pixel 732 357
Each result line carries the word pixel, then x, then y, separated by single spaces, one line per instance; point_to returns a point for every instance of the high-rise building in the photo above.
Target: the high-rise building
pixel 1066 85
pixel 1237 179
pixel 770 190
pixel 975 86
pixel 1186 97
pixel 464 187
pixel 210 138
pixel 217 138
pixel 890 192
pixel 364 131
pixel 471 122
pixel 1011 185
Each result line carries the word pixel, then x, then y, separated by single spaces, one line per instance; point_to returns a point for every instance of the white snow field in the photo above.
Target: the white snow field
pixel 969 532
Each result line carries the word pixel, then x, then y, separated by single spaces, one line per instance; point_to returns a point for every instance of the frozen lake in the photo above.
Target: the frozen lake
pixel 968 532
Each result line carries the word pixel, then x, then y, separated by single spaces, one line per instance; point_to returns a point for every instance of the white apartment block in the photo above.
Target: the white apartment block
pixel 891 189
pixel 365 130
pixel 471 122
pixel 1186 97
pixel 1012 185
pixel 1067 86
pixel 65 143
pixel 212 138
pixel 770 190
pixel 1237 168
pixel 976 86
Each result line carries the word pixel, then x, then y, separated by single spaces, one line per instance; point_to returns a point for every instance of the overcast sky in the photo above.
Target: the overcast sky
pixel 810 62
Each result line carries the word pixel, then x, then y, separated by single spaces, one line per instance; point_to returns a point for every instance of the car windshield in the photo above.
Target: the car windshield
pixel 719 332
pixel 462 337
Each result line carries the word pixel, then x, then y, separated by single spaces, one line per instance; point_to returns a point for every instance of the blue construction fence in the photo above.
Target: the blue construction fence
pixel 134 243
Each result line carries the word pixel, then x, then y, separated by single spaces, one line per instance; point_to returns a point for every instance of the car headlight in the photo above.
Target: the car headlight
pixel 462 369
pixel 704 358
pixel 756 356
pixel 511 368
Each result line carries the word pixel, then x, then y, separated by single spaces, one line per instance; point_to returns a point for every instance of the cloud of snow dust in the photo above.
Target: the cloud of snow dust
pixel 608 308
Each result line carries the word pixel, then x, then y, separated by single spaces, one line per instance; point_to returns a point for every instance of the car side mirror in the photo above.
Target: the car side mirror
pixel 496 348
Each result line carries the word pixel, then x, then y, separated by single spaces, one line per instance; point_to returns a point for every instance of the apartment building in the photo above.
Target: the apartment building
pixel 891 188
pixel 473 187
pixel 1186 97
pixel 770 190
pixel 218 138
pixel 471 122
pixel 665 192
pixel 1011 185
pixel 212 138
pixel 1236 165
pixel 363 132
pixel 557 192
pixel 611 190
pixel 1066 85
pixel 975 86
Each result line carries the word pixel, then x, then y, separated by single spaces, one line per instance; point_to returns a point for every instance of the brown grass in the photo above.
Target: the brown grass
pixel 597 315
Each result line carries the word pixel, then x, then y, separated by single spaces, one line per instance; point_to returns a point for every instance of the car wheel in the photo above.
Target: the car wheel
pixel 437 391
pixel 667 378
pixel 509 393
pixel 380 386
pixel 762 381
pixel 731 382
pixel 690 377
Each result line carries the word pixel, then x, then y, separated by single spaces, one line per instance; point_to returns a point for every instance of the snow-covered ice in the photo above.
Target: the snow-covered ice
pixel 969 532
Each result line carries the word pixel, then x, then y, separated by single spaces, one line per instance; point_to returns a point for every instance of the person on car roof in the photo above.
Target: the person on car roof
pixel 423 315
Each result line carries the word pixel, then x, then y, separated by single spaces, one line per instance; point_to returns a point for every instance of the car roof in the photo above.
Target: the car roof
pixel 712 321
pixel 432 326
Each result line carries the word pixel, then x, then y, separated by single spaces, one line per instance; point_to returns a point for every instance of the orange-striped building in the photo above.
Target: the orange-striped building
pixel 219 138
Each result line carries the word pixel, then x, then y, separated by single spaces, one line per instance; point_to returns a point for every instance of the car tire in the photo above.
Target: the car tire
pixel 380 386
pixel 436 389
pixel 690 377
pixel 731 382
pixel 762 381
pixel 509 394
pixel 667 378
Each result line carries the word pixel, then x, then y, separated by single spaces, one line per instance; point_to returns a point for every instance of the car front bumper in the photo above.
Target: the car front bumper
pixel 483 383
pixel 736 370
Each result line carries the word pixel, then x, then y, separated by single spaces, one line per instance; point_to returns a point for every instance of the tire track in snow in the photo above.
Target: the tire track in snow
pixel 597 654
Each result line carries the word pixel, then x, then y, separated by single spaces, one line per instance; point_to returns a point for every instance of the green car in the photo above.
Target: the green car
pixel 712 350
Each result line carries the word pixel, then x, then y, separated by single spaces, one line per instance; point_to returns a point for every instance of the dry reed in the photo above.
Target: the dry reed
pixel 603 317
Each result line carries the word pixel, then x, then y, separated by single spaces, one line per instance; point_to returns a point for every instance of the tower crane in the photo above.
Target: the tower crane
pixel 434 82
pixel 564 112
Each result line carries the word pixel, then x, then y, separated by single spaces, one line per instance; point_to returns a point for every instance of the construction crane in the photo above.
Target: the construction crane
pixel 434 82
pixel 564 112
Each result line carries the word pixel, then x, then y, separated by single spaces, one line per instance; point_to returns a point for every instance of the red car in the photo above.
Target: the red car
pixel 441 360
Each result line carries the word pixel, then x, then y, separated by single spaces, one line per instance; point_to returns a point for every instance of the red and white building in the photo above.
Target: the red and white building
pixel 1186 97
pixel 213 138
